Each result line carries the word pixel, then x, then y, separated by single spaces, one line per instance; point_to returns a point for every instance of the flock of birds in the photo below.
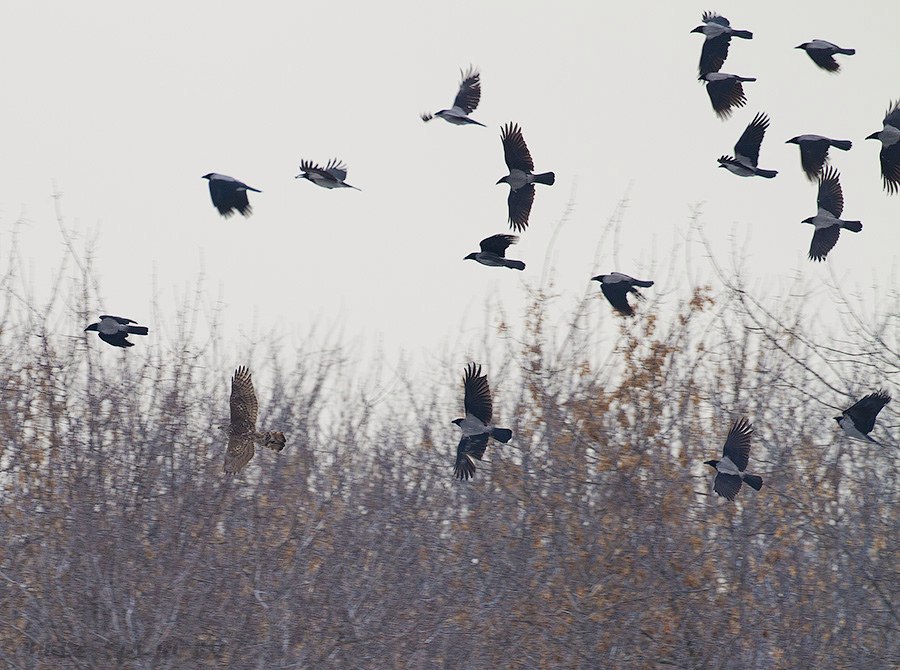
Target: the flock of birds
pixel 726 93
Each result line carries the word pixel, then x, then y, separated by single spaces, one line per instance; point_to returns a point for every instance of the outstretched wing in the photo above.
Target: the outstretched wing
pixel 813 156
pixel 617 294
pixel 470 447
pixel 116 339
pixel 713 54
pixel 519 204
pixel 823 241
pixel 469 94
pixel 119 319
pixel 830 197
pixel 725 95
pixel 864 412
pixel 498 244
pixel 477 394
pixel 515 151
pixel 238 454
pixel 751 139
pixel 337 169
pixel 737 444
pixel 244 406
pixel 824 59
pixel 712 17
pixel 727 486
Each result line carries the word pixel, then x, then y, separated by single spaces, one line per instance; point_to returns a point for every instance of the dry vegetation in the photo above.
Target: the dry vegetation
pixel 591 541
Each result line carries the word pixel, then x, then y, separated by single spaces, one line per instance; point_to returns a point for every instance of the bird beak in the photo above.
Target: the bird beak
pixel 597 278
pixel 501 181
pixel 873 136
pixel 698 29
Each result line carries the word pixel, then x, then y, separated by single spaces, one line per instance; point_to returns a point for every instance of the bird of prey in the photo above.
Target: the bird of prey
pixel 520 178
pixel 726 91
pixel 115 330
pixel 467 99
pixel 242 433
pixel 827 221
pixel 493 252
pixel 735 456
pixel 746 151
pixel 718 33
pixel 476 427
pixel 616 287
pixel 890 148
pixel 229 195
pixel 814 152
pixel 331 176
pixel 859 420
pixel 822 53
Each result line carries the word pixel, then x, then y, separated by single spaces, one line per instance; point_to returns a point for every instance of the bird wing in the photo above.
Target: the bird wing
pixel 890 166
pixel 751 139
pixel 239 452
pixel 244 406
pixel 116 339
pixel 712 17
pixel 892 115
pixel 864 411
pixel 713 54
pixel 617 295
pixel 813 156
pixel 727 486
pixel 469 91
pixel 823 241
pixel 824 59
pixel 725 95
pixel 477 394
pixel 314 168
pixel 498 244
pixel 737 444
pixel 224 195
pixel 830 197
pixel 336 169
pixel 119 319
pixel 470 447
pixel 515 151
pixel 241 203
pixel 519 204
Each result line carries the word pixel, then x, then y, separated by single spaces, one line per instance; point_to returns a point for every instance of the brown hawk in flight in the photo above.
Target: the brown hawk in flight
pixel 242 433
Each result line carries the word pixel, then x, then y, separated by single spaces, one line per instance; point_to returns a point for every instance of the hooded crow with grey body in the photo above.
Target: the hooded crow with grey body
pixel 827 221
pixel 726 91
pixel 730 471
pixel 476 427
pixel 814 152
pixel 493 252
pixel 746 151
pixel 822 53
pixel 616 287
pixel 229 195
pixel 718 33
pixel 467 99
pixel 520 178
pixel 331 176
pixel 859 420
pixel 115 330
pixel 890 148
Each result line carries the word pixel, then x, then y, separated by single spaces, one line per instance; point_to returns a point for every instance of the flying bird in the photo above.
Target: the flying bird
pixel 493 252
pixel 735 456
pixel 746 151
pixel 115 330
pixel 520 178
pixel 242 433
pixel 859 420
pixel 726 92
pixel 718 33
pixel 331 176
pixel 890 148
pixel 228 194
pixel 814 152
pixel 822 53
pixel 466 101
pixel 616 287
pixel 476 427
pixel 827 221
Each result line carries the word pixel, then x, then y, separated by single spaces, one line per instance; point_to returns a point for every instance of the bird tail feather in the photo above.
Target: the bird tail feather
pixel 846 52
pixel 843 145
pixel 746 78
pixel 854 226
pixel 138 330
pixel 515 265
pixel 768 174
pixel 743 34
pixel 503 435
pixel 643 283
pixel 753 481
pixel 274 440
pixel 545 178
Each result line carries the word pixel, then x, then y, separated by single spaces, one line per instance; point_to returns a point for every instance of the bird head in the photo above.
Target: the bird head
pixel 93 326
pixel 471 257
pixel 711 464
pixel 838 419
pixel 874 136
pixel 504 180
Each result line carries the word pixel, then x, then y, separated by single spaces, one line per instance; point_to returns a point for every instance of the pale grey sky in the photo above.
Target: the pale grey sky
pixel 124 108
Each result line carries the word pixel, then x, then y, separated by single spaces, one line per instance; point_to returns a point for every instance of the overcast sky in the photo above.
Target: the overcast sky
pixel 124 107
